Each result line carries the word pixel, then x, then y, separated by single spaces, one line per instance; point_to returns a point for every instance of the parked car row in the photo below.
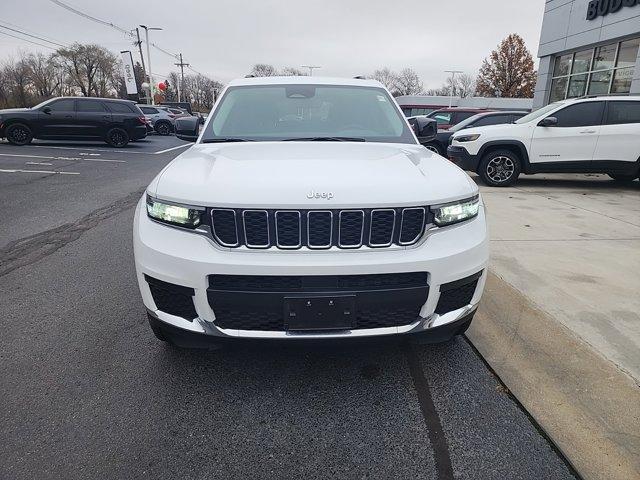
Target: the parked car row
pixel 114 121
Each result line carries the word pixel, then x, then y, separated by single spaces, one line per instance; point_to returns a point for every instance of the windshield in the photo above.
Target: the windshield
pixel 464 123
pixel 308 112
pixel 42 104
pixel 538 113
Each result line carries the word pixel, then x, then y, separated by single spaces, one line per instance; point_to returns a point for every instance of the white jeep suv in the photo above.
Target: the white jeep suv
pixel 588 135
pixel 307 209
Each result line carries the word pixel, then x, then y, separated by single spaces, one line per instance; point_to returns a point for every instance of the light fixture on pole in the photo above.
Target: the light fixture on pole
pixel 310 67
pixel 453 77
pixel 151 82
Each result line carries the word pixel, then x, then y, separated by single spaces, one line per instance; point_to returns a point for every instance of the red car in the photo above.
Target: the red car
pixel 448 117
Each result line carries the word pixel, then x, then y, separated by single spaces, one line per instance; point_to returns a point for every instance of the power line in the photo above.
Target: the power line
pixel 47 37
pixel 33 36
pixel 27 40
pixel 129 33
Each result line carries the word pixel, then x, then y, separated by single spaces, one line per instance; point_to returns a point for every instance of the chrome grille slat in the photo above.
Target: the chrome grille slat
pixel 318 229
pixel 256 228
pixel 372 222
pixel 348 227
pixel 282 242
pixel 316 213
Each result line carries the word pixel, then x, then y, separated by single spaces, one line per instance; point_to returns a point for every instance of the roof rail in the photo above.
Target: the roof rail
pixel 600 95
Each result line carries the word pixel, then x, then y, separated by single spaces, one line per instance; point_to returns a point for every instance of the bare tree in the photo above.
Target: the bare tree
pixel 409 83
pixel 443 91
pixel 508 72
pixel 386 77
pixel 17 76
pixel 465 85
pixel 89 68
pixel 42 75
pixel 292 72
pixel 263 70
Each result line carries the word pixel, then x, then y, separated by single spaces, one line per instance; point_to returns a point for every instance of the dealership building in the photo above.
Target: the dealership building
pixel 588 47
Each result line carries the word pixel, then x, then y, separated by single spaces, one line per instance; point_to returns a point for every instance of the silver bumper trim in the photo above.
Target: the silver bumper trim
pixel 201 326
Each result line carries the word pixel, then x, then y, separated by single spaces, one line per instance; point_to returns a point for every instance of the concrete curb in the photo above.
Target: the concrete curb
pixel 588 407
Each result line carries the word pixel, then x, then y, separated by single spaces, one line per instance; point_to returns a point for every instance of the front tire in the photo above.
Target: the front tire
pixel 499 168
pixel 19 134
pixel 163 128
pixel 434 147
pixel 117 137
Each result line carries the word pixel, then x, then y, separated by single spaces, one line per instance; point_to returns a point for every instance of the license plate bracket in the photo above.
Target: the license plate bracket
pixel 321 312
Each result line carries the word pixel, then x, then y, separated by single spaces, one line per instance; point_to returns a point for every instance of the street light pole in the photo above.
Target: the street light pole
pixel 453 77
pixel 310 67
pixel 151 82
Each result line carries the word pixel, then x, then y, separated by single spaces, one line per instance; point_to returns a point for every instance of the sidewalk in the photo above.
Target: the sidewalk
pixel 560 320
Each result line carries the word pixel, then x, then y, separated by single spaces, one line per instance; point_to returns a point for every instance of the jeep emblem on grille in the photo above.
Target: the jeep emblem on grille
pixel 314 194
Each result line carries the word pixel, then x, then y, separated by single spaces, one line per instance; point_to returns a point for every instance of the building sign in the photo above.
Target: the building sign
pixel 127 71
pixel 600 8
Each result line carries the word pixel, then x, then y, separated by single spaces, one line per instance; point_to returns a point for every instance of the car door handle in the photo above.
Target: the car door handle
pixel 68 116
pixel 588 131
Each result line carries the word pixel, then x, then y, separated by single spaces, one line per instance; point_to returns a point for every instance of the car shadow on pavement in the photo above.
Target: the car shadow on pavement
pixel 582 181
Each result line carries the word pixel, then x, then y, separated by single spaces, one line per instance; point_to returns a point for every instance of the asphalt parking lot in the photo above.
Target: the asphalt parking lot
pixel 88 392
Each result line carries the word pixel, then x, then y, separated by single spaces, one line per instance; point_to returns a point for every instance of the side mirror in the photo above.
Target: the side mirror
pixel 46 110
pixel 425 128
pixel 548 122
pixel 187 128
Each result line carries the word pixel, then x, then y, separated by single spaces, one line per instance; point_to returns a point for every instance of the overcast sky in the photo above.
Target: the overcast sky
pixel 224 38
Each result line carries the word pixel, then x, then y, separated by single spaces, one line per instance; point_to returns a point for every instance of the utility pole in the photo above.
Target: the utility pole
pixel 453 77
pixel 310 67
pixel 139 45
pixel 151 82
pixel 181 65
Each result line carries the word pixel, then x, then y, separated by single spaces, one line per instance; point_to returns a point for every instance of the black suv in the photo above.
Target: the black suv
pixel 117 122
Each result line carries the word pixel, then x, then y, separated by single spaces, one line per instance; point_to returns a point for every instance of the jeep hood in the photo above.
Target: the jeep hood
pixel 289 174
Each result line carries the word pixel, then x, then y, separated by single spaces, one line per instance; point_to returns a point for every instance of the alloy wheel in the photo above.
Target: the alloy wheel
pixel 500 169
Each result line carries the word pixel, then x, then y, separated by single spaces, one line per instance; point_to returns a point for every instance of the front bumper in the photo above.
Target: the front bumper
pixel 462 158
pixel 188 259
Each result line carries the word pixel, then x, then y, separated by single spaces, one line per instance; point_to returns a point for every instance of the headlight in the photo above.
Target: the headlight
pixel 180 215
pixel 455 212
pixel 467 138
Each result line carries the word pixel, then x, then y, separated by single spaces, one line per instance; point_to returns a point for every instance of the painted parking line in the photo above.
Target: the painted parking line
pixel 171 149
pixel 76 159
pixel 38 171
pixel 38 163
pixel 89 149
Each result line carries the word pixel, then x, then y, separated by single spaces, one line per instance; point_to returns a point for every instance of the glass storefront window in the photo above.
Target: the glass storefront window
pixel 622 80
pixel 628 53
pixel 577 86
pixel 582 61
pixel 599 84
pixel 562 66
pixel 558 89
pixel 605 57
pixel 596 71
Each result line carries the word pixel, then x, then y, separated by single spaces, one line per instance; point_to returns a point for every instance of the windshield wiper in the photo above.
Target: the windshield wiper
pixel 223 140
pixel 325 139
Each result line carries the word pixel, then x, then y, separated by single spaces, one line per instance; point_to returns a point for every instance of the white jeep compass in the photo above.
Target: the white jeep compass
pixel 307 209
pixel 586 135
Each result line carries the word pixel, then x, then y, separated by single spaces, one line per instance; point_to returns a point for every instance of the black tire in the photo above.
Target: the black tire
pixel 622 178
pixel 18 134
pixel 434 147
pixel 117 137
pixel 499 168
pixel 163 128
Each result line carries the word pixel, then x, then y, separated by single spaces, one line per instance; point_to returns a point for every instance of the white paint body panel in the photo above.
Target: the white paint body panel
pixel 285 175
